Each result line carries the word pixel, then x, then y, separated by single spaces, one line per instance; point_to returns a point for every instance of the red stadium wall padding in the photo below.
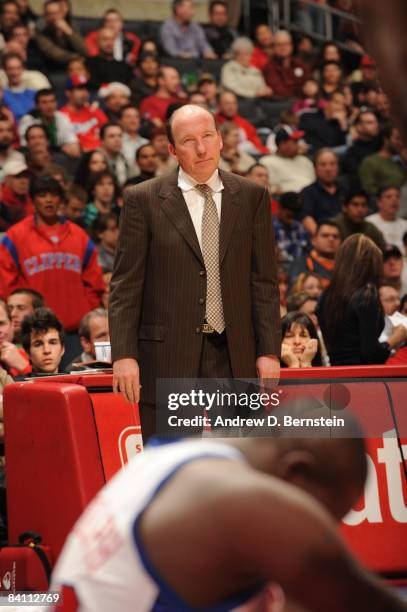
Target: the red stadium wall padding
pixel 54 467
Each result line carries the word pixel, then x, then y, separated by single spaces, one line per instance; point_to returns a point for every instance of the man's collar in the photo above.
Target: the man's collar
pixel 186 182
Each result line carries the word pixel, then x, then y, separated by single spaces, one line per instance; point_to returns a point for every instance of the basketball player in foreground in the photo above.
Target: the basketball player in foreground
pixel 201 524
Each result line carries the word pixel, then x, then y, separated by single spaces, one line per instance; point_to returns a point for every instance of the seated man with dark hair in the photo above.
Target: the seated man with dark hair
pixel 352 219
pixel 20 303
pixel 321 259
pixel 291 236
pixel 43 340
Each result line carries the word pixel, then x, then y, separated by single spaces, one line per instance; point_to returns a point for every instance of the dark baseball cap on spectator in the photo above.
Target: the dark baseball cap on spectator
pixel 392 250
pixel 287 133
pixel 76 80
pixel 206 77
pixel 368 61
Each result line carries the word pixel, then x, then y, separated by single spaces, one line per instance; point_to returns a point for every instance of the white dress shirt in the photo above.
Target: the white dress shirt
pixel 195 200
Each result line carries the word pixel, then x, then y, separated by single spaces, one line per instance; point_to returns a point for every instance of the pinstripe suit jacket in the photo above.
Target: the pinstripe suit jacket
pixel 158 288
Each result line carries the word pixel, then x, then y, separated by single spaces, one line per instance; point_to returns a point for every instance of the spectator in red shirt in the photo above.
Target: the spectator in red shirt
pixel 15 203
pixel 53 256
pixel 126 44
pixel 229 111
pixel 85 119
pixel 154 108
pixel 264 49
pixel 284 73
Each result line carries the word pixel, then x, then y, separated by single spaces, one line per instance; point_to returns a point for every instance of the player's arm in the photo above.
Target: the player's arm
pixel 290 539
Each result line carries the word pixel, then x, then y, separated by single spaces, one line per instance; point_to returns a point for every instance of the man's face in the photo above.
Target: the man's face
pixel 6 328
pixel 14 71
pixel 106 40
pixel 218 16
pixel 114 22
pixel 160 144
pixel 47 105
pixel 78 96
pixel 47 206
pixel 389 203
pixel 185 11
pixel 209 90
pixel 149 66
pixel 327 240
pixel 393 267
pixel 356 209
pixel 99 332
pixel 264 36
pixel 21 34
pixel 197 144
pixel 288 148
pixel 228 105
pixel 46 351
pixel 19 183
pixel 112 139
pixel 130 120
pixel 369 74
pixel 368 126
pixel 36 139
pixel 10 15
pixel 170 81
pixel 147 160
pixel 53 13
pixel 335 105
pixel 19 305
pixel 6 134
pixel 390 299
pixel 260 176
pixel 327 168
pixel 116 101
pixel 282 46
pixel 74 209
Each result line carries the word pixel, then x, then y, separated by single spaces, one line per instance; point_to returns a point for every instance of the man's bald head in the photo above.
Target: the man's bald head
pixel 185 112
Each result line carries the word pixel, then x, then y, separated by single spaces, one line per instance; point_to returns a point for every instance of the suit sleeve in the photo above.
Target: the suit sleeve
pixel 264 284
pixel 126 288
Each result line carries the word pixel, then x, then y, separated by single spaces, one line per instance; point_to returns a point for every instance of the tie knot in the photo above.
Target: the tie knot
pixel 204 189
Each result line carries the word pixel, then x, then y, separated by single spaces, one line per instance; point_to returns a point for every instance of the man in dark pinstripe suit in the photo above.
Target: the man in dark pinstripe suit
pixel 165 312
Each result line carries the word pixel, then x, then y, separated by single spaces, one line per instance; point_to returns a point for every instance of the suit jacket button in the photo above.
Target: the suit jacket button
pixel 202 273
pixel 201 301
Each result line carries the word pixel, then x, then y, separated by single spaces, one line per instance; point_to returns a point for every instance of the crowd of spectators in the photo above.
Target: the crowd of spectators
pixel 82 117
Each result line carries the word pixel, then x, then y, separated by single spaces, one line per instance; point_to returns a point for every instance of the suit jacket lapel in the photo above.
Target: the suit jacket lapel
pixel 174 206
pixel 229 211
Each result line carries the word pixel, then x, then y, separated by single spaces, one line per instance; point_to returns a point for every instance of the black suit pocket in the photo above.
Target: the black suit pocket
pixel 151 333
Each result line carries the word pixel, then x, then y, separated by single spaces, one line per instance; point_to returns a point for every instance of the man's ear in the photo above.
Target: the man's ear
pixel 172 151
pixel 220 142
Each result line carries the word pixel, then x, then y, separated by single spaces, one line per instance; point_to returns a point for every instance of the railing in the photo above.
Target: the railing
pixel 279 15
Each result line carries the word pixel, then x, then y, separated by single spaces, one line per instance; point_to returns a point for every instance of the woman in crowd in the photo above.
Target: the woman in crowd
pixel 239 76
pixel 300 345
pixel 264 46
pixel 350 313
pixel 309 282
pixel 91 163
pixel 103 194
pixel 232 158
pixel 331 79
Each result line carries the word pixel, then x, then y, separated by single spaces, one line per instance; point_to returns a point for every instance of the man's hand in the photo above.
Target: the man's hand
pixel 126 379
pixel 11 356
pixel 268 371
